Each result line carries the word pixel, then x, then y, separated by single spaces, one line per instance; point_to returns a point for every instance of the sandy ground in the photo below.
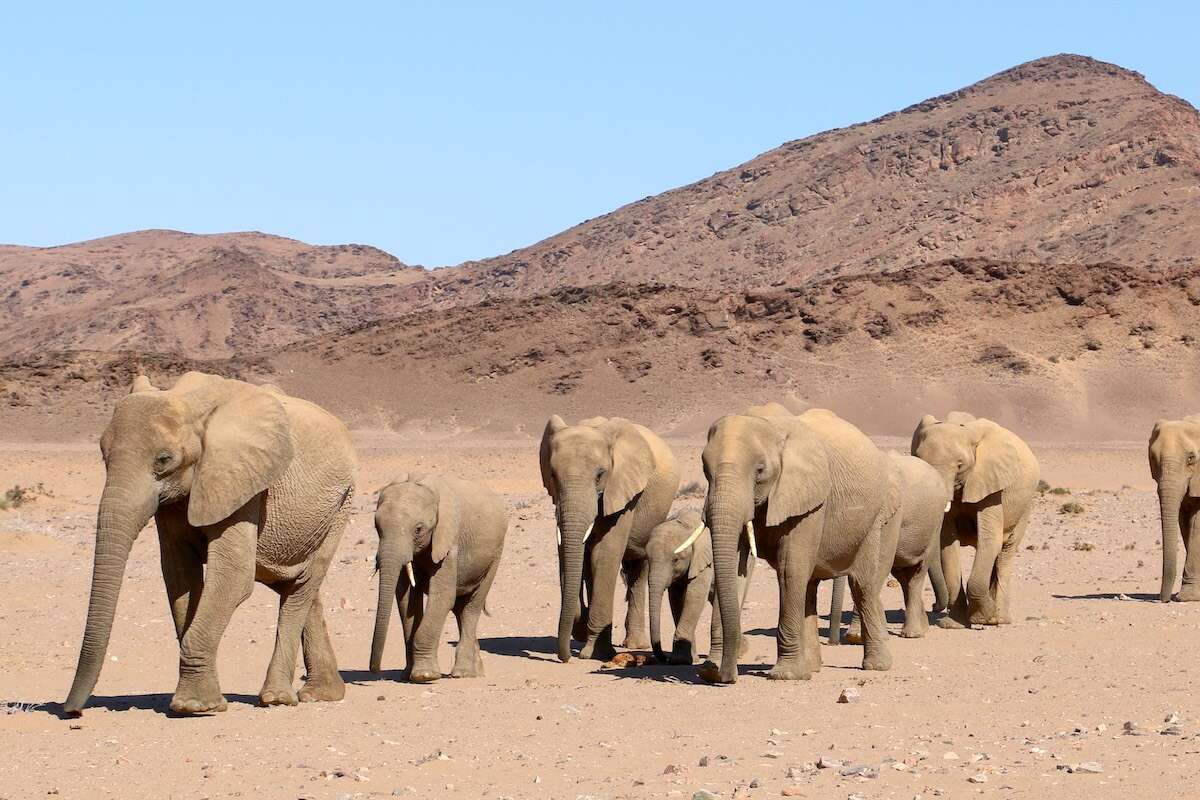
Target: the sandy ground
pixel 999 712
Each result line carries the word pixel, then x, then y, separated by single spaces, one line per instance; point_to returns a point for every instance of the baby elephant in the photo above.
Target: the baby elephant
pixel 924 500
pixel 440 540
pixel 679 562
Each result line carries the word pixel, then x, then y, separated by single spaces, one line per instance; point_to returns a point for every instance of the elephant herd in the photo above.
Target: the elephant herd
pixel 248 484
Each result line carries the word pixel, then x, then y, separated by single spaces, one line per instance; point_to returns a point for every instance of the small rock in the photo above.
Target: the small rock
pixel 1171 718
pixel 859 771
pixel 703 794
pixel 772 754
pixel 1131 728
pixel 381 697
pixel 848 695
pixel 827 763
pixel 1090 767
pixel 672 769
pixel 978 777
pixel 704 761
pixel 1172 730
pixel 793 791
pixel 950 755
pixel 755 783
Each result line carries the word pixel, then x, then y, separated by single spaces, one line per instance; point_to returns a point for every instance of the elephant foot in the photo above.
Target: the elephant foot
pixel 200 697
pixel 913 631
pixel 600 649
pixel 711 673
pixel 790 670
pixel 277 696
pixel 683 653
pixel 1189 593
pixel 424 675
pixel 880 660
pixel 579 631
pixel 473 669
pixel 951 622
pixel 982 616
pixel 324 690
pixel 636 641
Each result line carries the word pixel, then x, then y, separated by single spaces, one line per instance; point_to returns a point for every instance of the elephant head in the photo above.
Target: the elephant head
pixel 678 547
pixel 591 470
pixel 1174 457
pixel 413 515
pixel 210 442
pixel 773 467
pixel 974 457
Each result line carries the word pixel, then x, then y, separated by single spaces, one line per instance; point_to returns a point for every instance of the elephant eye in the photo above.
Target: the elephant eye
pixel 162 460
pixel 600 473
pixel 1191 459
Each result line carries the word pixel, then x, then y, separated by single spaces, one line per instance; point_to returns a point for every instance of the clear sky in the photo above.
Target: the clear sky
pixel 443 132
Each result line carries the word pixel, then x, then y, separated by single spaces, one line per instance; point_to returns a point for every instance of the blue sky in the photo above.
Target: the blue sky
pixel 450 131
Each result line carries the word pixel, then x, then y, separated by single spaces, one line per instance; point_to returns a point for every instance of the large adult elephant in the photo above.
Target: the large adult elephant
pixel 991 476
pixel 244 483
pixel 1174 453
pixel 813 493
pixel 611 482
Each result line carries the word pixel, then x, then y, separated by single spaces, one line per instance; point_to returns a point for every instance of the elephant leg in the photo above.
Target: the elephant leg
pixel 687 604
pixel 981 605
pixel 322 681
pixel 411 604
pixel 854 630
pixel 793 661
pixel 182 570
pixel 865 591
pixel 1002 586
pixel 606 563
pixel 836 601
pixel 295 605
pixel 228 581
pixel 956 598
pixel 637 595
pixel 812 639
pixel 443 593
pixel 1189 523
pixel 912 580
pixel 467 661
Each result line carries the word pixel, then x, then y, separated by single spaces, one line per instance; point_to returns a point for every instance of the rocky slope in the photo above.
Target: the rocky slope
pixel 196 296
pixel 1060 160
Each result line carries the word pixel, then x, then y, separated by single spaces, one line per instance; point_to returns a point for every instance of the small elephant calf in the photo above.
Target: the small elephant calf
pixel 440 540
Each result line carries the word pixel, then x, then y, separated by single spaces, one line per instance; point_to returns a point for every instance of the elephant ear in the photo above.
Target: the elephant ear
pixel 997 464
pixel 632 466
pixel 803 482
pixel 919 434
pixel 702 557
pixel 247 446
pixel 553 426
pixel 445 533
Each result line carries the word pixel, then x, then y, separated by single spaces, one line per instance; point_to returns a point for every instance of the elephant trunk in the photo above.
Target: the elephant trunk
pixel 389 580
pixel 836 602
pixel 1170 497
pixel 577 515
pixel 730 507
pixel 125 508
pixel 658 581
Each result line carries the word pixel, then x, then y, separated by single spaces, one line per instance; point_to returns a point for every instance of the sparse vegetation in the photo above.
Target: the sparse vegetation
pixel 18 496
pixel 691 489
pixel 1071 508
pixel 1084 546
pixel 1060 490
pixel 1043 487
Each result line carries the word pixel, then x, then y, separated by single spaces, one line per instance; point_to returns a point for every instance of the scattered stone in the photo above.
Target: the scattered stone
pixel 772 754
pixel 950 755
pixel 755 783
pixel 1130 728
pixel 1088 767
pixel 704 761
pixel 848 695
pixel 626 660
pixel 828 763
pixel 859 771
pixel 672 769
pixel 1171 718
pixel 381 697
pixel 1172 730
pixel 978 777
pixel 799 772
pixel 793 791
pixel 703 794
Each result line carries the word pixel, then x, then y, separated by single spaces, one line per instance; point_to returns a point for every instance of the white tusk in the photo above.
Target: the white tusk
pixel 946 510
pixel 588 532
pixel 691 539
pixel 558 535
pixel 412 579
pixel 750 536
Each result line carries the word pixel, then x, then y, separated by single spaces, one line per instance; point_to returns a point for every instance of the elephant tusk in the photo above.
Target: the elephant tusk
pixel 558 535
pixel 588 532
pixel 412 579
pixel 750 536
pixel 946 510
pixel 691 539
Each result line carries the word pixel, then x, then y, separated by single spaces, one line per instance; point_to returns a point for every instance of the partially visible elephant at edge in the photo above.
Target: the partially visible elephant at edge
pixel 992 476
pixel 440 538
pixel 244 483
pixel 817 493
pixel 679 560
pixel 1174 453
pixel 611 482
pixel 923 501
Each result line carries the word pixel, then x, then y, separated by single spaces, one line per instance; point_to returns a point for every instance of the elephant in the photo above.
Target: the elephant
pixel 1174 450
pixel 611 482
pixel 813 496
pixel 923 500
pixel 679 562
pixel 244 484
pixel 446 535
pixel 991 476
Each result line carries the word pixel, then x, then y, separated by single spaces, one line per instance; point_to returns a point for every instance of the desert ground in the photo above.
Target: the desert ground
pixel 1089 693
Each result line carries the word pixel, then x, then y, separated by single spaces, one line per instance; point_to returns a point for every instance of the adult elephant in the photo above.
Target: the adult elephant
pixel 923 501
pixel 1174 452
pixel 992 477
pixel 244 483
pixel 611 482
pixel 814 496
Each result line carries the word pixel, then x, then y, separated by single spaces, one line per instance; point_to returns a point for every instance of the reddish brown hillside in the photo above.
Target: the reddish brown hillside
pixel 1060 160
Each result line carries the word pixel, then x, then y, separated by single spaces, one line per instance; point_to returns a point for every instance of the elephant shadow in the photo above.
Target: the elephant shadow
pixel 361 676
pixel 535 648
pixel 676 673
pixel 1143 597
pixel 159 703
